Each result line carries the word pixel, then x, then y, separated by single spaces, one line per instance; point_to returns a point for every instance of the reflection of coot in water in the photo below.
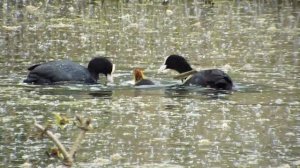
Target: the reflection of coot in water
pixel 213 78
pixel 68 71
pixel 193 91
pixel 102 93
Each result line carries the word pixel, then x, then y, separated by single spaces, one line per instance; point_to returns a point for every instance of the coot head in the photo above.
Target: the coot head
pixel 101 65
pixel 177 63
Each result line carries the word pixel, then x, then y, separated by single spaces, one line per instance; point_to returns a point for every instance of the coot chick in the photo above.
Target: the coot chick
pixel 67 71
pixel 213 78
pixel 139 78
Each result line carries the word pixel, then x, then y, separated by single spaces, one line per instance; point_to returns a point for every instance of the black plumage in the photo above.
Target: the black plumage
pixel 67 71
pixel 213 78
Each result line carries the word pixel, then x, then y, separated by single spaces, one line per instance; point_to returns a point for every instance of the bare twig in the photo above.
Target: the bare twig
pixel 185 74
pixel 67 157
pixel 84 126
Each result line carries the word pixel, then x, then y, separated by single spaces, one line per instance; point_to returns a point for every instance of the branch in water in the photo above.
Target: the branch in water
pixel 185 74
pixel 83 124
pixel 67 158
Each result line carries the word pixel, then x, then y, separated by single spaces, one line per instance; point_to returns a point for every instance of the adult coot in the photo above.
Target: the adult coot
pixel 70 72
pixel 139 78
pixel 213 78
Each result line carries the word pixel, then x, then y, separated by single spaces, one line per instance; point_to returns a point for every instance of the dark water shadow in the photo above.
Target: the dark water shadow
pixel 196 91
pixel 168 90
pixel 154 90
pixel 70 90
pixel 209 93
pixel 107 94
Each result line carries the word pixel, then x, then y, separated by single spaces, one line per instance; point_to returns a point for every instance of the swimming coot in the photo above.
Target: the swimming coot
pixel 139 78
pixel 67 71
pixel 213 78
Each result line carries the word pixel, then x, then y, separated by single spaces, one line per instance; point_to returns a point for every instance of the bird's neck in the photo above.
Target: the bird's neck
pixel 184 68
pixel 94 75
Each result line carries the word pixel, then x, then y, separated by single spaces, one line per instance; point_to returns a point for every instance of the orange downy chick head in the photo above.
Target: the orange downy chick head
pixel 138 74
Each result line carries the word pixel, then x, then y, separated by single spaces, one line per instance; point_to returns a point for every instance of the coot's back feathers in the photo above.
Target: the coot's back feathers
pixel 213 78
pixel 32 67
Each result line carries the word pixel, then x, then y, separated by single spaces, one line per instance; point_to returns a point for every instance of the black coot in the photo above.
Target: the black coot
pixel 213 78
pixel 68 71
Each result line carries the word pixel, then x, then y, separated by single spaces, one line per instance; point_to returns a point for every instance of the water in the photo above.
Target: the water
pixel 257 43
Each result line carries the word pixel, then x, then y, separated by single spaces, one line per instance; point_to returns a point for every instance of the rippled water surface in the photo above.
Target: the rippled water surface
pixel 257 44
